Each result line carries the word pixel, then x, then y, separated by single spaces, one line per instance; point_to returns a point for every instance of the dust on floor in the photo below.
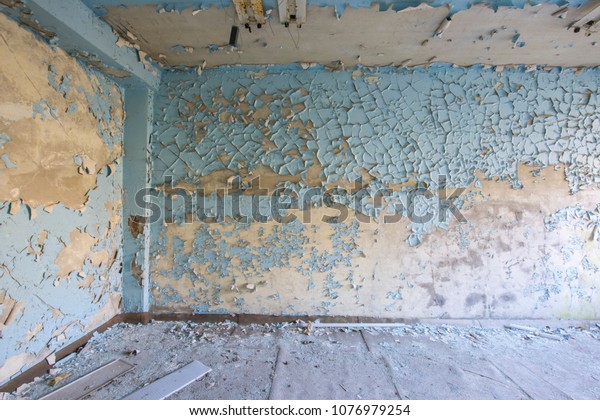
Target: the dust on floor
pixel 279 361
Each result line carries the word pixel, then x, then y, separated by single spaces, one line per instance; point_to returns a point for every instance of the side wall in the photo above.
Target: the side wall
pixel 522 144
pixel 60 195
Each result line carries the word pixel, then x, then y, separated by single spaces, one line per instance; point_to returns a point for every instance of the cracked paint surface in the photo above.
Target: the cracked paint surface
pixel 60 198
pixel 393 125
pixel 522 142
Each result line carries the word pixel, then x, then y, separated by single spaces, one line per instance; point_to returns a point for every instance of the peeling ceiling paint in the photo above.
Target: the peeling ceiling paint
pixel 527 35
pixel 340 5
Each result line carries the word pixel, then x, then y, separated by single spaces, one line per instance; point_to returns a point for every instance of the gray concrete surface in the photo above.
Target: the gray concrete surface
pixel 421 361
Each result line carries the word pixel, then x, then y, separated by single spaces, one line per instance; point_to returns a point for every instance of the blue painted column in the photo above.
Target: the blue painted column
pixel 136 177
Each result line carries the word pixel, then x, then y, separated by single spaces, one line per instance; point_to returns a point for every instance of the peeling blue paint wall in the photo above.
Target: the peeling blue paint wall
pixel 396 124
pixel 389 130
pixel 60 224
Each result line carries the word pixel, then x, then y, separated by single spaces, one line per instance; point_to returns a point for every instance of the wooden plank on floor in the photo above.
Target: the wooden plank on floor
pixel 170 384
pixel 94 380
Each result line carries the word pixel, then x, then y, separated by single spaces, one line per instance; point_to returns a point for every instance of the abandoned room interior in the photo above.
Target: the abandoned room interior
pixel 299 199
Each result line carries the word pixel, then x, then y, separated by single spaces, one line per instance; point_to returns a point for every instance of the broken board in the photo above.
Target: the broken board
pixel 170 384
pixel 94 380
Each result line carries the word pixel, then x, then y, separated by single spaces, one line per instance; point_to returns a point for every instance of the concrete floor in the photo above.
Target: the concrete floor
pixel 468 360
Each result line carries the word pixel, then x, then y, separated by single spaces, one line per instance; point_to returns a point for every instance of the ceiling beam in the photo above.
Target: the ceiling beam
pixel 80 32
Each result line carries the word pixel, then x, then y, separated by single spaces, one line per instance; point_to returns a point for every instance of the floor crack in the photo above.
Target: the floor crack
pixel 274 371
pixel 365 341
pixel 549 383
pixel 511 380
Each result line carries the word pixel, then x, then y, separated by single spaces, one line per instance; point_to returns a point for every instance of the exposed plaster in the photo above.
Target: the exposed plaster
pixel 506 265
pixel 60 199
pixel 389 130
pixel 177 6
pixel 528 34
pixel 47 90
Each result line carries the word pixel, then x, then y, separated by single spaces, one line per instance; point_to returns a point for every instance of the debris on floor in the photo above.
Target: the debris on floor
pixel 85 385
pixel 57 379
pixel 538 333
pixel 279 361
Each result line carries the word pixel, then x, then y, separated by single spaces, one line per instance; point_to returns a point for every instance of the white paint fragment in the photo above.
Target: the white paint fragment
pixel 51 359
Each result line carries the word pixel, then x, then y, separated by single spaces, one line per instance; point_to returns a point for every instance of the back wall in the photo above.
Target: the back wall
pixel 429 192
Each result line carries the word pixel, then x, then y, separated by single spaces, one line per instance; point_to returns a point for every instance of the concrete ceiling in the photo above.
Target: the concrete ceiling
pixel 506 32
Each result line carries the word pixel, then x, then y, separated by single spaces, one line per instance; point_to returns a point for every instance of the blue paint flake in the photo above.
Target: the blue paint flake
pixel 7 162
pixel 62 84
pixel 4 138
